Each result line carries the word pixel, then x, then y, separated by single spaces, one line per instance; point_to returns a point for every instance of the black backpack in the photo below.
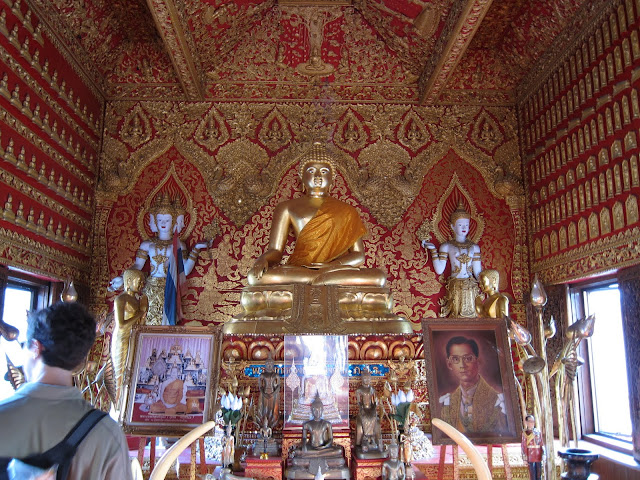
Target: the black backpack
pixel 62 453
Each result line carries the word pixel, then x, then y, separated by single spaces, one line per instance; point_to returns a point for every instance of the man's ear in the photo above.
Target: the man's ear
pixel 35 348
pixel 449 366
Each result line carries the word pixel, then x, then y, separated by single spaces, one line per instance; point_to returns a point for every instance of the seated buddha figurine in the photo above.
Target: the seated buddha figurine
pixel 496 304
pixel 317 451
pixel 329 248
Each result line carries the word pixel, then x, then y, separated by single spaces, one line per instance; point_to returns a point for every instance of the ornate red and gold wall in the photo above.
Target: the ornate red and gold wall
pixel 50 134
pixel 580 125
pixel 404 167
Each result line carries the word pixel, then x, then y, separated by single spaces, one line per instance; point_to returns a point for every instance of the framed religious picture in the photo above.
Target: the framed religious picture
pixel 174 379
pixel 470 379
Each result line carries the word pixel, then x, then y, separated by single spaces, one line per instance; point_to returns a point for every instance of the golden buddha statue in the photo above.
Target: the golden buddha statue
pixel 329 248
pixel 322 287
pixel 129 309
pixel 496 304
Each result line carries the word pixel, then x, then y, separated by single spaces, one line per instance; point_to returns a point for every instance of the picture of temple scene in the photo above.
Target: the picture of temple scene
pixel 317 366
pixel 171 379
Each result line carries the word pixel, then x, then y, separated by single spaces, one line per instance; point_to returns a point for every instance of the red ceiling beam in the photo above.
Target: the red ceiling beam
pixel 462 23
pixel 179 45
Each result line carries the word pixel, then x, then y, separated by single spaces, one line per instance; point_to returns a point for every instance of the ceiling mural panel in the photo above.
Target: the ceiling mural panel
pixel 370 50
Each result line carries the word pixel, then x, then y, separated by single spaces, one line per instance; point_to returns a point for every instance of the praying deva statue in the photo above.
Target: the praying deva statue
pixel 165 218
pixel 464 255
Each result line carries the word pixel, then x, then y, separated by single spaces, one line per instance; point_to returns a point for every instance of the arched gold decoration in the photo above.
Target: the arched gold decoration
pixel 350 133
pixel 274 132
pixel 136 127
pixel 211 131
pixel 182 195
pixel 456 195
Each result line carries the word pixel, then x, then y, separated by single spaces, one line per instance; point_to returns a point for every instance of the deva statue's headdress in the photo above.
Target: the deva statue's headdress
pixel 458 213
pixel 317 153
pixel 164 206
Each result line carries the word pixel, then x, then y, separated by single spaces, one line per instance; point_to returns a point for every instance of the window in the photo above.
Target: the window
pixel 604 389
pixel 22 293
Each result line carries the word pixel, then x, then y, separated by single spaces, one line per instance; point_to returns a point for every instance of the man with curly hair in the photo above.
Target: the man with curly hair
pixel 45 409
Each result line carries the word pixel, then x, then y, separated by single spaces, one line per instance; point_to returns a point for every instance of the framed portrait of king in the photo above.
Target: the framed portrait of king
pixel 173 381
pixel 470 379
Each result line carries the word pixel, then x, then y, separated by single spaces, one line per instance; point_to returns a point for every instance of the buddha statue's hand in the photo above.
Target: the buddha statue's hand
pixel 259 268
pixel 115 284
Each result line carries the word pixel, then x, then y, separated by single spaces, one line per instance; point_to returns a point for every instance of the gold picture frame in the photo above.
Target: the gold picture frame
pixel 173 380
pixel 470 378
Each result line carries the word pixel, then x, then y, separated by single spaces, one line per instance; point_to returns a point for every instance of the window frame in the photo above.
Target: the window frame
pixel 584 383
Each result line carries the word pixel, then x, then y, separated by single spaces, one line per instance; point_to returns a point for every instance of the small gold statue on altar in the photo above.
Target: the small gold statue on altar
pixel 368 431
pixel 166 218
pixel 129 309
pixel 317 451
pixel 495 304
pixel 464 256
pixel 393 469
pixel 329 248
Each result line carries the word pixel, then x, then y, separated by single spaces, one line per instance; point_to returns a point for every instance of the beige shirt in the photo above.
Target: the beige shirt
pixel 38 416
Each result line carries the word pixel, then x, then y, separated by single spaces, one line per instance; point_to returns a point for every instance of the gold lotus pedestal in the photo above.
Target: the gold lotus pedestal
pixel 308 309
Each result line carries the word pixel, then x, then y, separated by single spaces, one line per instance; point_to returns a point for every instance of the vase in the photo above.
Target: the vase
pixel 578 463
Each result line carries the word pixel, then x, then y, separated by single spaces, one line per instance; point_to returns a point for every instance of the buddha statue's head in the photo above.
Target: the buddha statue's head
pixel 489 280
pixel 133 280
pixel 366 377
pixel 317 408
pixel 317 170
pixel 268 364
pixel 460 220
pixel 393 451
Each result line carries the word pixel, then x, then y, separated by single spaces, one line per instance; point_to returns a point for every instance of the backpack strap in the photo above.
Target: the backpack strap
pixel 63 452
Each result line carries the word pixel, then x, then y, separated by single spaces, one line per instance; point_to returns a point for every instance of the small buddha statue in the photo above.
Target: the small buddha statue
pixel 496 304
pixel 393 469
pixel 269 399
pixel 129 309
pixel 329 248
pixel 368 431
pixel 317 451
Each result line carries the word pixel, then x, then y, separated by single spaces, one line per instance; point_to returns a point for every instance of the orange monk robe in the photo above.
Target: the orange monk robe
pixel 334 229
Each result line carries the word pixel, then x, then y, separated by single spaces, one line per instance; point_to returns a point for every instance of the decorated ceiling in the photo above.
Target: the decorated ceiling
pixel 433 51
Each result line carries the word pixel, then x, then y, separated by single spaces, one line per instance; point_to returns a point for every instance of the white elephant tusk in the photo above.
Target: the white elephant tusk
pixel 478 463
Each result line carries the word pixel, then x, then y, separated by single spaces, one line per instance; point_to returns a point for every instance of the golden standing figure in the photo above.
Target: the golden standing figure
pixel 464 256
pixel 496 304
pixel 165 219
pixel 129 309
pixel 329 248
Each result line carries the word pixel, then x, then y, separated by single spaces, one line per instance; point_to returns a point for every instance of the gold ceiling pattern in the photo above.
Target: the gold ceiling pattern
pixel 409 51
